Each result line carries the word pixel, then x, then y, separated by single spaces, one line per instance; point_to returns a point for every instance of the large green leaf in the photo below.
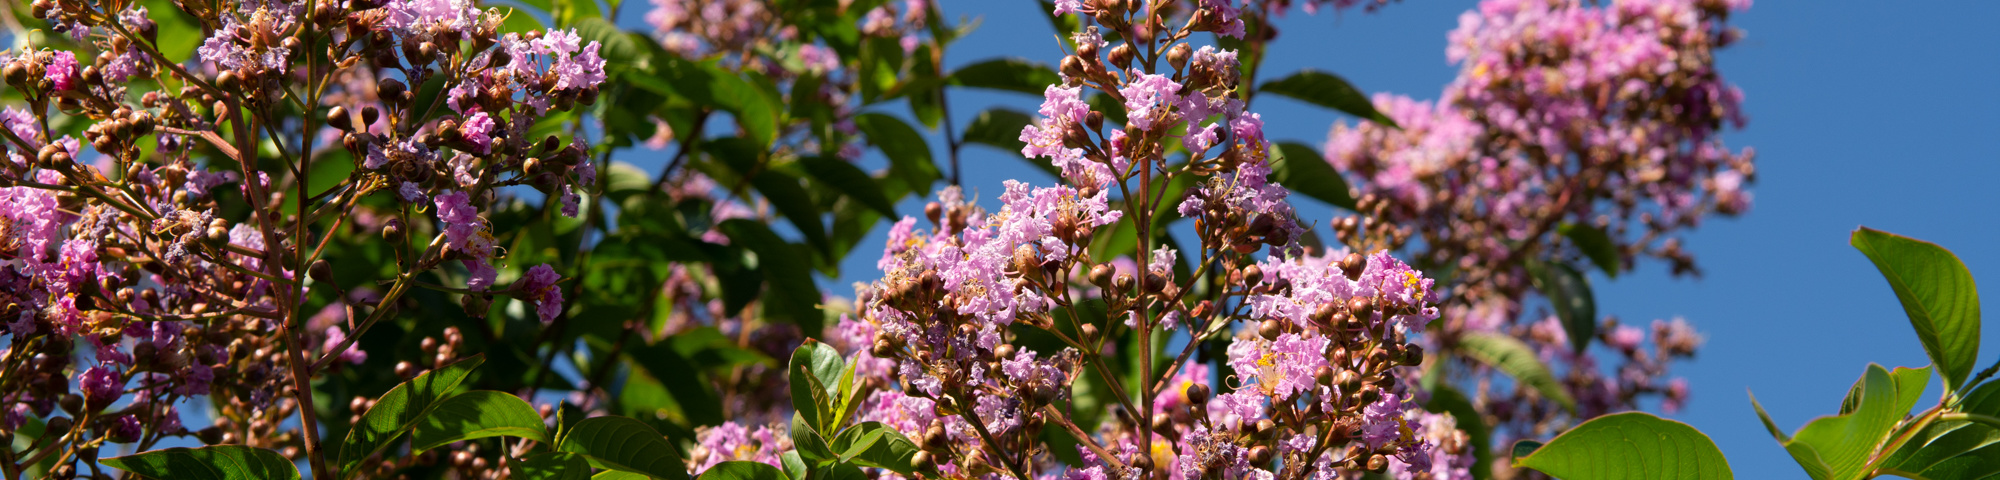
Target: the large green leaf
pixel 219 462
pixel 1595 244
pixel 811 445
pixel 1010 74
pixel 999 128
pixel 1302 169
pixel 792 297
pixel 708 85
pixel 850 181
pixel 872 444
pixel 479 414
pixel 553 466
pixel 1569 295
pixel 1938 295
pixel 909 155
pixel 1910 383
pixel 620 443
pixel 1950 449
pixel 400 410
pixel 790 198
pixel 1327 90
pixel 1839 447
pixel 1517 360
pixel 815 372
pixel 1630 445
pixel 742 470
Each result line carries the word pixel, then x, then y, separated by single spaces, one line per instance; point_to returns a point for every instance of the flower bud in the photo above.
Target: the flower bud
pixel 921 461
pixel 1270 329
pixel 321 271
pixel 1100 275
pixel 1260 455
pixel 1178 56
pixel 1072 66
pixel 1197 393
pixel 1377 463
pixel 339 118
pixel 1252 275
pixel 1360 305
pixel 1121 56
pixel 369 115
pixel 1353 265
pixel 1142 461
pixel 1122 282
pixel 229 81
pixel 1089 332
pixel 390 89
pixel 393 231
pixel 1347 380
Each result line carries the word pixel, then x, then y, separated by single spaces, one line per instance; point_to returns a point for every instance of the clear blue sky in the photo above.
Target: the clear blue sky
pixel 1862 113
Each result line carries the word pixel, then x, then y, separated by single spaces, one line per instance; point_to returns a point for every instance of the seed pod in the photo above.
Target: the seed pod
pixel 1413 355
pixel 339 118
pixel 1378 463
pixel 229 81
pixel 921 461
pixel 1178 56
pixel 1072 66
pixel 1197 393
pixel 1270 329
pixel 1101 274
pixel 1353 265
pixel 1121 56
pixel 1259 455
pixel 1360 305
pixel 390 89
pixel 369 115
pixel 1253 275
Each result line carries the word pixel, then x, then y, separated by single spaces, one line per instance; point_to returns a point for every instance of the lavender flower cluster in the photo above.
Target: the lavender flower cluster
pixel 1565 115
pixel 162 269
pixel 1320 377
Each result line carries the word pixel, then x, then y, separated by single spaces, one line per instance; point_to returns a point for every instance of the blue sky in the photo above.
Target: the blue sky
pixel 1862 113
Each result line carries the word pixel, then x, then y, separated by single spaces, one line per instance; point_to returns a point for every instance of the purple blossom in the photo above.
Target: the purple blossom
pixel 1148 99
pixel 353 355
pixel 818 59
pixel 539 285
pixel 62 70
pixel 1069 6
pixel 100 386
pixel 125 429
pixel 418 17
pixel 478 129
pixel 730 441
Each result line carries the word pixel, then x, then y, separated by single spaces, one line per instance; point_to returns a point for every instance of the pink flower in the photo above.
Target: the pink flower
pixel 539 286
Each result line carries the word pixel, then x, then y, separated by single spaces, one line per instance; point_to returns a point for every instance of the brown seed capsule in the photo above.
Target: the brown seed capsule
pixel 1100 275
pixel 1353 265
pixel 1360 305
pixel 1347 380
pixel 339 118
pixel 1270 329
pixel 369 115
pixel 393 231
pixel 1121 56
pixel 1089 332
pixel 883 349
pixel 921 461
pixel 1252 275
pixel 1260 454
pixel 229 81
pixel 321 271
pixel 1324 375
pixel 1142 461
pixel 1413 355
pixel 1197 393
pixel 1072 67
pixel 1122 282
pixel 1178 56
pixel 390 89
pixel 1378 463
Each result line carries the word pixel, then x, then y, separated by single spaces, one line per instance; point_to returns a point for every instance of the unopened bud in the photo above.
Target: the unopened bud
pixel 1178 56
pixel 1121 56
pixel 1197 393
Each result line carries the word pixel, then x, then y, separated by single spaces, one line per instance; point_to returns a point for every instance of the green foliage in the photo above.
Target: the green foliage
pixel 218 462
pixel 553 466
pixel 1838 447
pixel 1595 244
pixel 1007 74
pixel 401 410
pixel 1569 295
pixel 742 470
pixel 1937 293
pixel 623 444
pixel 478 414
pixel 1631 445
pixel 1302 169
pixel 1509 355
pixel 1327 90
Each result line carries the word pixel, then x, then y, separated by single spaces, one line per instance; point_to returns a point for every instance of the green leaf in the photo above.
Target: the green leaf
pixel 1910 383
pixel 1569 295
pixel 815 378
pixel 618 475
pixel 1445 399
pixel 795 467
pixel 706 84
pixel 784 192
pixel 1595 244
pixel 1631 445
pixel 479 414
pixel 1525 448
pixel 1950 449
pixel 1009 74
pixel 618 49
pixel 1302 169
pixel 400 410
pixel 620 443
pixel 792 297
pixel 850 181
pixel 872 444
pixel 998 128
pixel 742 470
pixel 1517 360
pixel 810 443
pixel 1839 447
pixel 553 466
pixel 218 462
pixel 909 155
pixel 1938 295
pixel 1768 424
pixel 1327 90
